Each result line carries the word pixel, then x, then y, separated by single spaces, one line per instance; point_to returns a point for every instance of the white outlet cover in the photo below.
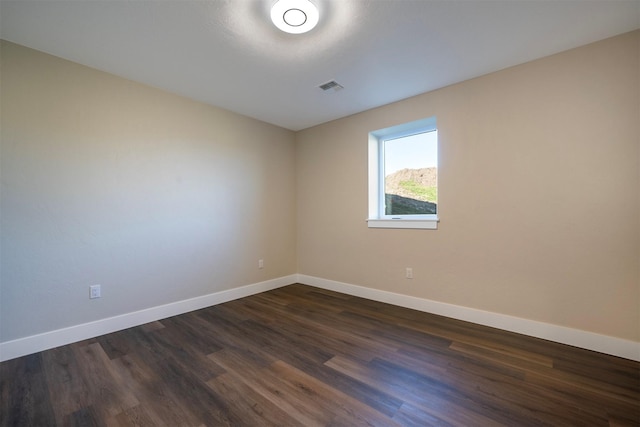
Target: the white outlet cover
pixel 94 291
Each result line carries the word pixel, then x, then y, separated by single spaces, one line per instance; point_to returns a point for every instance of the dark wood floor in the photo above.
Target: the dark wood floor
pixel 301 356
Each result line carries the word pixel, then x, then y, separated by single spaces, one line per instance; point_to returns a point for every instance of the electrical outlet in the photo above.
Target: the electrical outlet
pixel 94 291
pixel 260 263
pixel 409 273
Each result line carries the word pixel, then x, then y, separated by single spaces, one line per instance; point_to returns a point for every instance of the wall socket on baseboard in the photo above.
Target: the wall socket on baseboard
pixel 260 263
pixel 409 273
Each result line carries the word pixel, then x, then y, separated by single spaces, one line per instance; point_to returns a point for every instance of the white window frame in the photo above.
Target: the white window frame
pixel 377 217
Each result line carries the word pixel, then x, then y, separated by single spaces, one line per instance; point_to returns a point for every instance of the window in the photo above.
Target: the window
pixel 403 176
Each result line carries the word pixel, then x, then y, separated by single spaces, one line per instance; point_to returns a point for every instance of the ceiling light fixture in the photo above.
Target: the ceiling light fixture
pixel 294 16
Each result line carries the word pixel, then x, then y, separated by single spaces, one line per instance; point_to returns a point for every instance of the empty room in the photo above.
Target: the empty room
pixel 319 213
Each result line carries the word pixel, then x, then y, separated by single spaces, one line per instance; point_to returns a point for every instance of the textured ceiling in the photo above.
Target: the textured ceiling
pixel 228 54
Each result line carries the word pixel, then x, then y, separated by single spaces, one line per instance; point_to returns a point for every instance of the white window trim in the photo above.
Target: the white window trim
pixel 376 201
pixel 428 224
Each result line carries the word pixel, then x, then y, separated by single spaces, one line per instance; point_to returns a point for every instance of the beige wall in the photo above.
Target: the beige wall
pixel 153 196
pixel 539 192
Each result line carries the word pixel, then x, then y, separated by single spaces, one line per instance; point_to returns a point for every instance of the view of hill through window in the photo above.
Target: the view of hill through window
pixel 411 174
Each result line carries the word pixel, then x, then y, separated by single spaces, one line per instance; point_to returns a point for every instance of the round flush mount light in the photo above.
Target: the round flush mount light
pixel 294 16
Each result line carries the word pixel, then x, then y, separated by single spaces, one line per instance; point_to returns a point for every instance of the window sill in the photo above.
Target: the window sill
pixel 427 224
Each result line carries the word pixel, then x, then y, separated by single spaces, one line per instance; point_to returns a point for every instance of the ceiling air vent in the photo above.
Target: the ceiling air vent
pixel 332 85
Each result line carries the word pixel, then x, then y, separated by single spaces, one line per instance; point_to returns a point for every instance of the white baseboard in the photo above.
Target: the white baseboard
pixel 35 343
pixel 574 337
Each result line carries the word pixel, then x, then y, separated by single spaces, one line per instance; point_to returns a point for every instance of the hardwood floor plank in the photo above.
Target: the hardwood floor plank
pixel 271 387
pixel 479 336
pixel 604 368
pixel 115 344
pixel 330 399
pixel 382 400
pixel 105 388
pixel 412 416
pixel 154 392
pixel 182 345
pixel 84 417
pixel 507 359
pixel 393 335
pixel 588 399
pixel 428 396
pixel 183 329
pixel 297 350
pixel 230 334
pixel 153 326
pixel 25 387
pixel 357 346
pixel 66 385
pixel 138 417
pixel 291 348
pixel 508 385
pixel 623 421
pixel 250 406
pixel 190 392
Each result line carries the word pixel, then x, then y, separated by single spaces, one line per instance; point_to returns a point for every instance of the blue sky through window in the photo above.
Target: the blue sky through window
pixel 411 152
